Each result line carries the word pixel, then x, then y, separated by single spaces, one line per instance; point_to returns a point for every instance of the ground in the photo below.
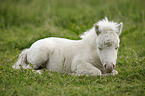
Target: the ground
pixel 22 22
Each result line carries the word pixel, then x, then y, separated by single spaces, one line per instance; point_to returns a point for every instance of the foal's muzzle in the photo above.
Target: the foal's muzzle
pixel 109 68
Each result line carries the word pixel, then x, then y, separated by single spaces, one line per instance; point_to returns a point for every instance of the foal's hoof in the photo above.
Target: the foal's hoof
pixel 114 72
pixel 37 71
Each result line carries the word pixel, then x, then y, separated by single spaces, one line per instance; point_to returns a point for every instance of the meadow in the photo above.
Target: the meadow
pixel 22 22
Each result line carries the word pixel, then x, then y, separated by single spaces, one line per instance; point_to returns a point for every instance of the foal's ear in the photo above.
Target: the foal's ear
pixel 97 29
pixel 119 26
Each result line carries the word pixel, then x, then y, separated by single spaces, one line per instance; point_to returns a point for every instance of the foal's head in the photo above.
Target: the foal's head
pixel 108 42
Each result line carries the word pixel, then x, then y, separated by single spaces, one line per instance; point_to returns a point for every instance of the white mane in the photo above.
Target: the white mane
pixel 90 36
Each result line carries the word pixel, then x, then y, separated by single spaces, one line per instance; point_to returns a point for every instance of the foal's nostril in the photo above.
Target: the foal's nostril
pixel 105 66
pixel 113 66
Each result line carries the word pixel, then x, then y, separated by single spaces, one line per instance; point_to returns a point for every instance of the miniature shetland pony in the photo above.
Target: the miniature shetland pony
pixel 95 54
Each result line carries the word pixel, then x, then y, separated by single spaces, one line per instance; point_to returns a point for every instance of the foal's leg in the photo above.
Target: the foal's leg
pixel 38 59
pixel 39 52
pixel 35 71
pixel 79 67
pixel 38 56
pixel 86 69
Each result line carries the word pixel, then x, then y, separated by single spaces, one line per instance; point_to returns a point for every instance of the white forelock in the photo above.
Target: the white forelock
pixel 107 25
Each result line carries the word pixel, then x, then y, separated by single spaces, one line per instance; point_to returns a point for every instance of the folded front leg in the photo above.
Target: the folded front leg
pixel 85 69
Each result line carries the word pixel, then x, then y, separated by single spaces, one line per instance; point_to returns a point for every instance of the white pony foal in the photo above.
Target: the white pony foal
pixel 95 54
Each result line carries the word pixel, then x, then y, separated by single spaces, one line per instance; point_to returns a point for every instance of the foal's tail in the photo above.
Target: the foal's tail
pixel 22 60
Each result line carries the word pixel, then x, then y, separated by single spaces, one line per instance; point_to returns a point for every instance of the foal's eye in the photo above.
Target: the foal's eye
pixel 99 48
pixel 116 48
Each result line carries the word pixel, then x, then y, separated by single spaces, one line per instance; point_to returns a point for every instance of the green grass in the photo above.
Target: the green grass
pixel 22 22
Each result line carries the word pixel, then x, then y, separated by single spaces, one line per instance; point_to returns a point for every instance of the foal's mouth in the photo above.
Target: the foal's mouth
pixel 108 70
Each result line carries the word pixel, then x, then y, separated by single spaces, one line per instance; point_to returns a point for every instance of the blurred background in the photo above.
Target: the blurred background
pixel 24 21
